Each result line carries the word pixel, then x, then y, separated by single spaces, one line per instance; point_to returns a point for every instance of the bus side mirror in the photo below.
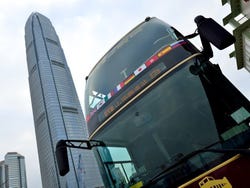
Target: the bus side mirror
pixel 214 33
pixel 62 157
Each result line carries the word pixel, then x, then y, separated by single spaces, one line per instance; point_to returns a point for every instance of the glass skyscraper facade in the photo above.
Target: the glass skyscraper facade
pixel 56 108
pixel 3 171
pixel 13 171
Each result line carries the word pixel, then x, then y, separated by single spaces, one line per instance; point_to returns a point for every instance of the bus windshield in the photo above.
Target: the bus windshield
pixel 119 64
pixel 163 126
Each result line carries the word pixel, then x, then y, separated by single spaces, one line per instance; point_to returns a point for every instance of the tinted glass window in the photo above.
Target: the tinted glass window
pixel 126 57
pixel 170 121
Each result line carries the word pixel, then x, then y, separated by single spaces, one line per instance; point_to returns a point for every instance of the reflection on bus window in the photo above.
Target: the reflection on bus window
pixel 118 164
pixel 113 68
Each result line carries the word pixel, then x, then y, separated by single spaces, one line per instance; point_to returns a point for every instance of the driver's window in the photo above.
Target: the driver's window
pixel 118 164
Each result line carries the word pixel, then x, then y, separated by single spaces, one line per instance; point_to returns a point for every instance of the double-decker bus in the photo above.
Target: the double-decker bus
pixel 167 116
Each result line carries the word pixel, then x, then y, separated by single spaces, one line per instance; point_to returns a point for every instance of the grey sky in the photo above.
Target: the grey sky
pixel 86 29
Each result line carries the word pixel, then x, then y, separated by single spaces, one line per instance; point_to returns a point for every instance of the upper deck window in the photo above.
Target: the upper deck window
pixel 125 58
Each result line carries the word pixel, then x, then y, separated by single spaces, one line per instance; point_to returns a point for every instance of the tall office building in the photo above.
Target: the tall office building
pixel 239 18
pixel 3 179
pixel 56 108
pixel 12 171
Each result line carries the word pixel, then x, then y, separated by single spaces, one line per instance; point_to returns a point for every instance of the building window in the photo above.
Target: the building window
pixel 57 63
pixel 241 18
pixel 51 41
pixel 70 109
pixel 29 46
pixel 40 119
pixel 33 69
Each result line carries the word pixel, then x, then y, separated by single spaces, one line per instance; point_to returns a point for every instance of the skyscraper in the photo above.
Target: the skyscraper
pixel 56 108
pixel 3 178
pixel 12 171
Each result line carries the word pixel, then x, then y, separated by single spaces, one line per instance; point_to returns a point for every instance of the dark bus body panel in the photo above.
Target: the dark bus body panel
pixel 153 99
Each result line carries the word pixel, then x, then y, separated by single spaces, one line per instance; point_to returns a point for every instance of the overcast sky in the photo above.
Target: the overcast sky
pixel 86 29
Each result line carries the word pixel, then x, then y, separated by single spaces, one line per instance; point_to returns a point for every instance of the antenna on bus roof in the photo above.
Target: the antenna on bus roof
pixel 147 19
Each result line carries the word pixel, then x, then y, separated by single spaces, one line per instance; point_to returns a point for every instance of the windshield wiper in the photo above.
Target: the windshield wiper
pixel 192 154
